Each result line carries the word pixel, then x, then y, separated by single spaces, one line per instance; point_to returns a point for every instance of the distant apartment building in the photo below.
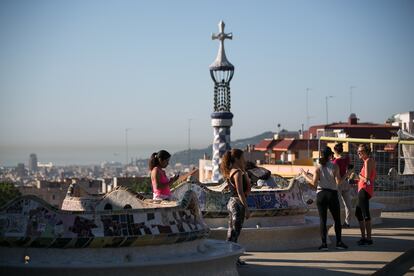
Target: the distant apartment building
pixel 32 163
pixel 54 192
pixel 405 121
pixel 50 191
pixel 352 129
pixel 20 170
pixel 287 134
pixel 287 150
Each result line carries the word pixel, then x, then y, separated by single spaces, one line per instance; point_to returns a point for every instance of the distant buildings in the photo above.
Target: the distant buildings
pixel 287 151
pixel 50 191
pixel 20 170
pixel 33 163
pixel 353 129
pixel 405 121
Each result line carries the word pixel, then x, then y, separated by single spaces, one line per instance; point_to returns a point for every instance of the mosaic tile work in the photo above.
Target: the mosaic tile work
pixel 28 221
pixel 261 202
pixel 117 200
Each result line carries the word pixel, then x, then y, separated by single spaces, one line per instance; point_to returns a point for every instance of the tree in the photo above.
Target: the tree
pixel 141 185
pixel 8 192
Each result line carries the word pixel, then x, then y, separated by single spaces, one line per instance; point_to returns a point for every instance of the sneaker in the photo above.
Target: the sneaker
pixel 323 247
pixel 341 245
pixel 240 262
pixel 362 241
pixel 369 242
pixel 346 225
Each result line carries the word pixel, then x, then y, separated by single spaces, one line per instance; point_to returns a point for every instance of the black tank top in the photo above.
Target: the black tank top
pixel 232 185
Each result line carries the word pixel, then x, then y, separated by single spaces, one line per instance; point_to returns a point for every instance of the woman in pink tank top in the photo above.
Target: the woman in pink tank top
pixel 159 180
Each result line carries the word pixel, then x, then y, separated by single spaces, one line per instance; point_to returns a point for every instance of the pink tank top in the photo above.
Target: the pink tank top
pixel 164 192
pixel 363 185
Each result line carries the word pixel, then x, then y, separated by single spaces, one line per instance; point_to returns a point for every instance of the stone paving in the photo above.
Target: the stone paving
pixel 391 239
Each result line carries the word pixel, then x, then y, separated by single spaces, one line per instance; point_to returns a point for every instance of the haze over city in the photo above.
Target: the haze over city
pixel 75 75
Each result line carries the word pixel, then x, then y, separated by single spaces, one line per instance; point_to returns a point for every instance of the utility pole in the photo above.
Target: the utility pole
pixel 326 105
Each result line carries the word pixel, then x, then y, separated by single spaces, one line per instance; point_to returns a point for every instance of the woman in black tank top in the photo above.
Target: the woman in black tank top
pixel 233 170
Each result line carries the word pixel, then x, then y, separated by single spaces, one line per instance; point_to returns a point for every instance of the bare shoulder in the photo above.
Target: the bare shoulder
pixel 154 171
pixel 235 172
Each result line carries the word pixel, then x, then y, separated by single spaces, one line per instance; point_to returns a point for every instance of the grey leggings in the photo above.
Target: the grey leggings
pixel 236 218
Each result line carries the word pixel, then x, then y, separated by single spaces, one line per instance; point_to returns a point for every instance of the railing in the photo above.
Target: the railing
pixel 394 185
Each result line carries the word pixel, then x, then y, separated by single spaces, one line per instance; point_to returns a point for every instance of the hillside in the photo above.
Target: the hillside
pixel 196 154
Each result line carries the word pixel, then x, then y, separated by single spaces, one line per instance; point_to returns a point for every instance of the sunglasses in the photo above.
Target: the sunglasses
pixel 360 151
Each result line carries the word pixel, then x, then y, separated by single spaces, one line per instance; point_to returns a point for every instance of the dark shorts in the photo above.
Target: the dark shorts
pixel 362 208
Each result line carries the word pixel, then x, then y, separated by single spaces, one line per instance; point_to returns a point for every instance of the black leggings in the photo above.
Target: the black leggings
pixel 362 208
pixel 328 199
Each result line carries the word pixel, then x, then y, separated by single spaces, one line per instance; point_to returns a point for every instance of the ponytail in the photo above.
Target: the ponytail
pixel 323 161
pixel 157 157
pixel 153 162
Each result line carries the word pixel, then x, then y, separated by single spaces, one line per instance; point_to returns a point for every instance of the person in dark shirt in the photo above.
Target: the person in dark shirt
pixel 344 188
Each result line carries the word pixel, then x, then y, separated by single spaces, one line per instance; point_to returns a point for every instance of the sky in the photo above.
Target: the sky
pixel 77 74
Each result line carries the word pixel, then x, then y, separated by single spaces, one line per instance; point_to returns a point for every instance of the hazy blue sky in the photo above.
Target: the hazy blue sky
pixel 80 72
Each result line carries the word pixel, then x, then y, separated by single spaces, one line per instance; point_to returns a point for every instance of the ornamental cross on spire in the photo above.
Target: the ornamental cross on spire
pixel 221 35
pixel 221 62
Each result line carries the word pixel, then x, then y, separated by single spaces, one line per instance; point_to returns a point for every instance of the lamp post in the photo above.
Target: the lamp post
pixel 189 143
pixel 326 105
pixel 307 115
pixel 307 107
pixel 351 88
pixel 126 145
pixel 221 72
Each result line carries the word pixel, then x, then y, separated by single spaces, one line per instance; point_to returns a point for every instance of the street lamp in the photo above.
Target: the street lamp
pixel 307 107
pixel 189 143
pixel 351 88
pixel 126 145
pixel 326 105
pixel 307 115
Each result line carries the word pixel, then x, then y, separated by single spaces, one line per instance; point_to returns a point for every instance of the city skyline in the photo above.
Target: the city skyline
pixel 78 74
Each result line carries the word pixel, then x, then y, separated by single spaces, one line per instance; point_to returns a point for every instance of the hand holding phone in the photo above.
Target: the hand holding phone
pixel 176 176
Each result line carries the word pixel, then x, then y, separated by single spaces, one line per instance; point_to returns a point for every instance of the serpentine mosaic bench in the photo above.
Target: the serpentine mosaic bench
pixel 262 202
pixel 28 221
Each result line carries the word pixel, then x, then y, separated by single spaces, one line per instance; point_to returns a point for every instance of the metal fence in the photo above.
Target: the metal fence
pixel 394 184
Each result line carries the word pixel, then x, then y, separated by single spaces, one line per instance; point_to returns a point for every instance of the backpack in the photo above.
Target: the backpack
pixel 258 173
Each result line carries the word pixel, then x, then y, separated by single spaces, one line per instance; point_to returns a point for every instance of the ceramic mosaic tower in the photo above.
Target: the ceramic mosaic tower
pixel 221 71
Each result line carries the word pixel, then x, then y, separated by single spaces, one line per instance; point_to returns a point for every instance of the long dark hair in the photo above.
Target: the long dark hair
pixel 326 156
pixel 228 160
pixel 157 157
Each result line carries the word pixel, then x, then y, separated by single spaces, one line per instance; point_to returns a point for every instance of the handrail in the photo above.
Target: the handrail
pixel 366 140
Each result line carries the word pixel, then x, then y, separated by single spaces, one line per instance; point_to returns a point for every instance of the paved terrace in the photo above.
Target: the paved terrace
pixel 392 238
